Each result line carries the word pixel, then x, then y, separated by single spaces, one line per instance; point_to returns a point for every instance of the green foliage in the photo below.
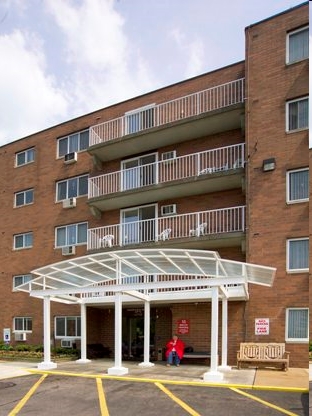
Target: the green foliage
pixel 5 347
pixel 64 351
pixel 310 346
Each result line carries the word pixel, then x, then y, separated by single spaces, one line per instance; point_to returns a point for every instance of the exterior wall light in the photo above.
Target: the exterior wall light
pixel 268 164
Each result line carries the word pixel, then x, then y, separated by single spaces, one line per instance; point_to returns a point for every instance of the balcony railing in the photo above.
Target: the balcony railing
pixel 221 159
pixel 181 108
pixel 191 225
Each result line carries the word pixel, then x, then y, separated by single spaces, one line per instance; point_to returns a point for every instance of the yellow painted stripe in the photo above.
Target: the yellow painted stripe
pixel 27 396
pixel 177 400
pixel 257 399
pixel 177 382
pixel 102 400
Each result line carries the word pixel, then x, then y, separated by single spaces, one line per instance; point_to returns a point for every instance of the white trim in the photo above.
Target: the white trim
pixel 296 340
pixel 301 29
pixel 288 174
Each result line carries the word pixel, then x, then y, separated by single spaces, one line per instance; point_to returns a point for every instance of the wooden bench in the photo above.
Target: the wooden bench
pixel 267 354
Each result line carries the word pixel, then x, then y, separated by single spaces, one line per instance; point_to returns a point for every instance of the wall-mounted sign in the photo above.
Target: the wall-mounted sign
pixel 183 326
pixel 262 326
pixel 6 334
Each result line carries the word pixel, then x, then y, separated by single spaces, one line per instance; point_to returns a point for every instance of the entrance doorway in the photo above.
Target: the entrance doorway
pixel 133 334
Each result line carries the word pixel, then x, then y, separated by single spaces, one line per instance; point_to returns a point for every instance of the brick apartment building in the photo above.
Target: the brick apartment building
pixel 217 163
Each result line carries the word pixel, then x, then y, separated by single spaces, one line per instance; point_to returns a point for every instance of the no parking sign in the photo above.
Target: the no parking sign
pixel 262 326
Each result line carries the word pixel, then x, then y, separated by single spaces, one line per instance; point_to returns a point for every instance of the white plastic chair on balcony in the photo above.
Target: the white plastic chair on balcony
pixel 200 230
pixel 164 235
pixel 107 240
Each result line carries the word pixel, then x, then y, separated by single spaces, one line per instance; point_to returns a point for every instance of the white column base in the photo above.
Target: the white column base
pixel 213 376
pixel 146 364
pixel 46 365
pixel 83 361
pixel 224 368
pixel 117 371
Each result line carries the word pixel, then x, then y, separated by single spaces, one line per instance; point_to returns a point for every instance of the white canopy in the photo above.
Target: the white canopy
pixel 155 275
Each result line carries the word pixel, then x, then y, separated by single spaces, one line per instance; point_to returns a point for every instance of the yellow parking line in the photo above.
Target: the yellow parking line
pixel 102 400
pixel 177 400
pixel 273 406
pixel 27 396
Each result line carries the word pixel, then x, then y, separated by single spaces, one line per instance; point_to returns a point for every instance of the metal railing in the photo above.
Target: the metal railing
pixel 190 225
pixel 181 108
pixel 221 159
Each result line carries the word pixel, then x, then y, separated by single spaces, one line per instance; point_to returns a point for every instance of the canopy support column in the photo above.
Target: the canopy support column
pixel 147 326
pixel 118 370
pixel 83 342
pixel 214 374
pixel 47 363
pixel 224 365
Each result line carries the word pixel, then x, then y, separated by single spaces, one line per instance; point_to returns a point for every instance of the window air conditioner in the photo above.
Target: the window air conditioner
pixel 169 155
pixel 69 203
pixel 66 343
pixel 20 336
pixel 68 250
pixel 169 209
pixel 70 158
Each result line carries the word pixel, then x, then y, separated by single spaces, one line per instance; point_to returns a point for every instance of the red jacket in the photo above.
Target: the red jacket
pixel 179 347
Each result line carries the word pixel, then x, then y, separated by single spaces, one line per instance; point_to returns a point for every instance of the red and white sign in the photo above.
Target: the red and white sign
pixel 183 326
pixel 262 326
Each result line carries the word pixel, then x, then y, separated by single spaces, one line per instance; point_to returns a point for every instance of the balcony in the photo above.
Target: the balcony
pixel 208 171
pixel 203 113
pixel 205 229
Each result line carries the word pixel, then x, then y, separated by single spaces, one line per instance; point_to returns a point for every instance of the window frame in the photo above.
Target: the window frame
pixel 66 318
pixel 27 153
pixel 288 190
pixel 296 100
pixel 67 181
pixel 24 197
pixel 24 235
pixel 25 321
pixel 288 44
pixel 296 340
pixel 25 279
pixel 73 149
pixel 288 269
pixel 67 228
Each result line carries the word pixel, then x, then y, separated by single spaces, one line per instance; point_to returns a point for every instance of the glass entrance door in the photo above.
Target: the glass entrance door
pixel 138 225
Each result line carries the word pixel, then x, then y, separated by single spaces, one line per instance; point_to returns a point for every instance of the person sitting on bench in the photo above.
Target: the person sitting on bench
pixel 174 351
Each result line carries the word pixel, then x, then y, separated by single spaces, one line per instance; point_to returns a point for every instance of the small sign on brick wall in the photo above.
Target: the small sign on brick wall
pixel 183 326
pixel 262 326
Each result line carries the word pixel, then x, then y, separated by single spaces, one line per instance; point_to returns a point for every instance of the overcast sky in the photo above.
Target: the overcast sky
pixel 64 58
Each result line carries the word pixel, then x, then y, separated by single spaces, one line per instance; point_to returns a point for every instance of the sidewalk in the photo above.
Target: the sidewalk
pixel 293 379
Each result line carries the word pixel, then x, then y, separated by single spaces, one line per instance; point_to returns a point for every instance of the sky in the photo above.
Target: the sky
pixel 61 59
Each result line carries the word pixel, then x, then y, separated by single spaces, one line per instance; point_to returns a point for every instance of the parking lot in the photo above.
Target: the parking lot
pixel 52 393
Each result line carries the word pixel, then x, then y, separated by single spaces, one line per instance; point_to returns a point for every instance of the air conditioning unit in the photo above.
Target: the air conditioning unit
pixel 169 155
pixel 68 250
pixel 69 203
pixel 20 336
pixel 168 209
pixel 70 158
pixel 66 343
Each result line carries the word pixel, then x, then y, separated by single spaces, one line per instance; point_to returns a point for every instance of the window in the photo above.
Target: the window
pixel 73 187
pixel 24 198
pixel 297 324
pixel 67 326
pixel 297 114
pixel 73 143
pixel 298 255
pixel 27 156
pixel 22 324
pixel 298 185
pixel 21 279
pixel 72 234
pixel 23 240
pixel 140 119
pixel 297 45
